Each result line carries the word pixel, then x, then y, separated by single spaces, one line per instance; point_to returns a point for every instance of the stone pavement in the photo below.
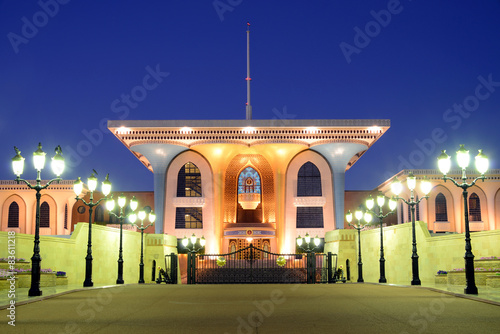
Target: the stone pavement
pixel 266 308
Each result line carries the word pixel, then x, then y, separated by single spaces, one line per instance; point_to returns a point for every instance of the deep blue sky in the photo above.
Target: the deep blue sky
pixel 60 81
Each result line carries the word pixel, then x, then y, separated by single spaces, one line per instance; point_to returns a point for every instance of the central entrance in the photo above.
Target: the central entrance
pixel 243 244
pixel 255 265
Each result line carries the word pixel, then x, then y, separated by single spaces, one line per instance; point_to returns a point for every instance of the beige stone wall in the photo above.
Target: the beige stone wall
pixel 444 252
pixel 69 254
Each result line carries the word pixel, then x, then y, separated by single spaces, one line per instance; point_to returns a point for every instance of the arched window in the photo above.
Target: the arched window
pixel 267 247
pixel 45 215
pixel 417 210
pixel 13 220
pixel 249 181
pixel 402 213
pixel 309 180
pixel 474 208
pixel 112 219
pixel 189 181
pixel 441 211
pixel 66 216
pixel 99 214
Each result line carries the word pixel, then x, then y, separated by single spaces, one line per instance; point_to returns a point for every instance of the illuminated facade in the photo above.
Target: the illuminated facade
pixel 309 210
pixel 231 180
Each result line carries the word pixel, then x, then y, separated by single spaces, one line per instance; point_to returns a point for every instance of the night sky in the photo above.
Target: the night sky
pixel 431 67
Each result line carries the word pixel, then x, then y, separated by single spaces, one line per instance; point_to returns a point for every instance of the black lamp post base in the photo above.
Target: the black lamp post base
pixel 141 281
pixel 471 290
pixel 38 292
pixel 120 281
pixel 382 280
pixel 360 280
pixel 87 284
pixel 416 282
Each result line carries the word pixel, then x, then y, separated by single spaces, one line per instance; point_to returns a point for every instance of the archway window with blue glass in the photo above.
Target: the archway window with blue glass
pixel 249 181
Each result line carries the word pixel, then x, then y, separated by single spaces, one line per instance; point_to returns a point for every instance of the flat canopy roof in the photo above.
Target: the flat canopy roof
pixel 307 132
pixel 223 123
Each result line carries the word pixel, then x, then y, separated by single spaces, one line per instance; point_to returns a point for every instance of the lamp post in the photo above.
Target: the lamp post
pixel 359 216
pixel 481 166
pixel 191 255
pixel 396 188
pixel 311 257
pixel 142 216
pixel 110 205
pixel 39 163
pixel 78 188
pixel 370 202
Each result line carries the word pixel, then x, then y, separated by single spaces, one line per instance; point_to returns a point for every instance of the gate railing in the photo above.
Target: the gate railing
pixel 254 265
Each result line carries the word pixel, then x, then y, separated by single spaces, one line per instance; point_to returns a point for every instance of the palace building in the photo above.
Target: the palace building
pixel 232 180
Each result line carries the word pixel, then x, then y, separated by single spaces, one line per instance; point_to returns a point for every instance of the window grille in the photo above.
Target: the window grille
pixel 189 181
pixel 309 180
pixel 44 215
pixel 309 217
pixel 188 218
pixel 474 208
pixel 441 210
pixel 13 220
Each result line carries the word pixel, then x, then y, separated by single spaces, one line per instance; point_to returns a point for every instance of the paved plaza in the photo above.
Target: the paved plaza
pixel 266 308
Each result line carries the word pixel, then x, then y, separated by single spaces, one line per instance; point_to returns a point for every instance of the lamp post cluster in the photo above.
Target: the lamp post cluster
pixel 142 216
pixel 39 163
pixel 92 186
pixel 305 243
pixel 370 202
pixel 396 188
pixel 367 216
pixel 482 165
pixel 194 240
pixel 110 205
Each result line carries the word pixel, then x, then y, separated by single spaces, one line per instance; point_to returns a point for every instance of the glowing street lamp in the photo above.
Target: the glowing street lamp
pixel 110 205
pixel 396 188
pixel 370 203
pixel 92 186
pixel 142 216
pixel 193 239
pixel 482 165
pixel 306 241
pixel 359 226
pixel 39 163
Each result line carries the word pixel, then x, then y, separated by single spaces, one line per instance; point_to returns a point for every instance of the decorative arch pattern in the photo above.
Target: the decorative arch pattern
pixel 235 166
pixel 21 213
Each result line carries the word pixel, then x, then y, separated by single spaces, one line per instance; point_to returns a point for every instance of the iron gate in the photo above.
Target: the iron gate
pixel 254 265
